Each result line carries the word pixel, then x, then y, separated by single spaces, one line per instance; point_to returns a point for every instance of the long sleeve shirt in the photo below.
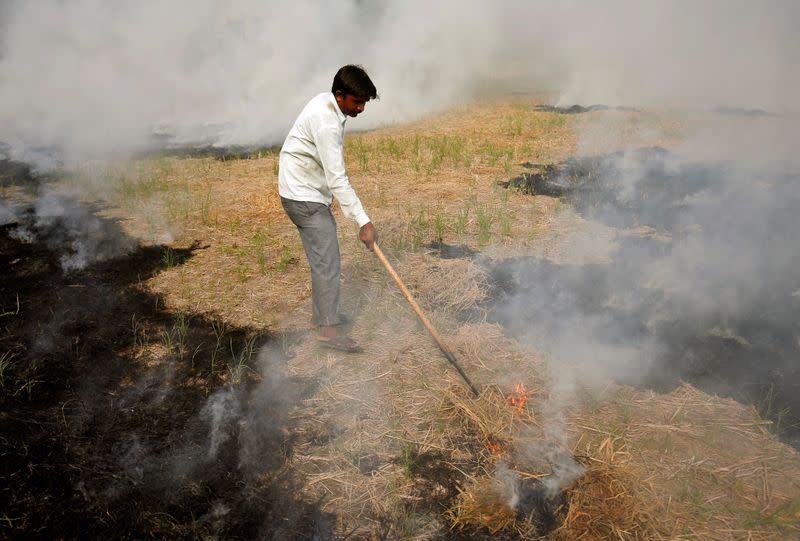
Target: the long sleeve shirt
pixel 312 159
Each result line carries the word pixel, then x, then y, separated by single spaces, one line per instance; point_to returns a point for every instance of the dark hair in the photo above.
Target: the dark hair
pixel 353 80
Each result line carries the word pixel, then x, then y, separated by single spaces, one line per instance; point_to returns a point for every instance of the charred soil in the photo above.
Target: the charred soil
pixel 102 410
pixel 722 236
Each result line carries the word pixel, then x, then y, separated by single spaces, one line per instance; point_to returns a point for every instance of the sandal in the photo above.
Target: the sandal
pixel 340 343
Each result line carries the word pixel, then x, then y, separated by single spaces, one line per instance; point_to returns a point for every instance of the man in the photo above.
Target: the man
pixel 311 174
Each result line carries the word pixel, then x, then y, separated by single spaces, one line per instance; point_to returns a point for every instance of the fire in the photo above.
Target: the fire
pixel 518 398
pixel 495 446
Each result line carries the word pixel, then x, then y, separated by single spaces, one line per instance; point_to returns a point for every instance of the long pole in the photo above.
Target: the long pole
pixel 425 321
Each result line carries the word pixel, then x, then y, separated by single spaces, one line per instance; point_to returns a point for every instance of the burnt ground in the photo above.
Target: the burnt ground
pixel 579 109
pixel 160 146
pixel 221 153
pixel 108 405
pixel 708 290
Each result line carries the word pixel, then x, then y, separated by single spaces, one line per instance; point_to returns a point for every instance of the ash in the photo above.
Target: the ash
pixel 539 504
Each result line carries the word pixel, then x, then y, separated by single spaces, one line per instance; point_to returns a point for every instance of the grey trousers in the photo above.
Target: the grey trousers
pixel 317 230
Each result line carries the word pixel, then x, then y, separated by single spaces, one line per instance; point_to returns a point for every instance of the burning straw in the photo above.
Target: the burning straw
pixel 508 491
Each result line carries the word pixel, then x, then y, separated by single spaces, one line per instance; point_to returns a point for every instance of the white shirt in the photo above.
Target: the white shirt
pixel 312 159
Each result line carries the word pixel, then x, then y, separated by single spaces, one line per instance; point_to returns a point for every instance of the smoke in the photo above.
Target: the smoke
pixel 252 418
pixel 71 229
pixel 221 411
pixel 90 77
pixel 545 450
pixel 697 274
pixel 8 213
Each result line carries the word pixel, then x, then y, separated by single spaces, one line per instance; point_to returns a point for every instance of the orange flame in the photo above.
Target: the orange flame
pixel 495 446
pixel 518 398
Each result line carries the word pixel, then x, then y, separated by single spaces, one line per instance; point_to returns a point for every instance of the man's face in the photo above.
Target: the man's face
pixel 351 105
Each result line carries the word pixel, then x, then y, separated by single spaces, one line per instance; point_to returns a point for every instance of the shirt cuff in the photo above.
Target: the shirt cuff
pixel 362 219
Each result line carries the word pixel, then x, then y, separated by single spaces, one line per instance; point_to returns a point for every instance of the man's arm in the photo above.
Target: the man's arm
pixel 332 156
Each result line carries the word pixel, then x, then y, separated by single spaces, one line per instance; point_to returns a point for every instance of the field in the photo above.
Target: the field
pixel 160 378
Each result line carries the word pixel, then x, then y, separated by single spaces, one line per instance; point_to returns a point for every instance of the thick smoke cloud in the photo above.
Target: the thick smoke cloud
pixel 88 76
pixel 700 280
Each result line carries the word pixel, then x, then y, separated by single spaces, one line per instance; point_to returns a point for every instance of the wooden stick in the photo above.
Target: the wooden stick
pixel 439 341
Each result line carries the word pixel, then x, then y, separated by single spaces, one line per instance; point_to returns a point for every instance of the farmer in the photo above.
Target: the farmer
pixel 311 174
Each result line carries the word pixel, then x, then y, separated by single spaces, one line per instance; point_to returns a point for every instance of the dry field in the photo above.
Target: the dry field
pixel 222 419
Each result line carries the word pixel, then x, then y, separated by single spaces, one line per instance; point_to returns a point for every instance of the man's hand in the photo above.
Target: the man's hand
pixel 368 235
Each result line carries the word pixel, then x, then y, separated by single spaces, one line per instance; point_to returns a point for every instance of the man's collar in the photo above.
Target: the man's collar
pixel 339 114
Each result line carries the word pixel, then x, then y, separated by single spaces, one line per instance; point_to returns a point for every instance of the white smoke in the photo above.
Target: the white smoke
pixel 8 213
pixel 89 76
pixel 253 416
pixel 71 229
pixel 222 411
